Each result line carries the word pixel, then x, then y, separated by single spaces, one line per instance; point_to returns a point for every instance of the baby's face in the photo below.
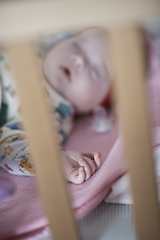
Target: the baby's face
pixel 76 68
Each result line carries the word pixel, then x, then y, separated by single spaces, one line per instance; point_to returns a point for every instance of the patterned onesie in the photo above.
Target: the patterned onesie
pixel 15 154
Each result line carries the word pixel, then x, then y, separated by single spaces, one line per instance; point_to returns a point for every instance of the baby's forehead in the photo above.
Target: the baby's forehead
pixel 92 43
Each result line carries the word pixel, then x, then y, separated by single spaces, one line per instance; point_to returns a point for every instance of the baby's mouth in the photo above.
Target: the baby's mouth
pixel 66 72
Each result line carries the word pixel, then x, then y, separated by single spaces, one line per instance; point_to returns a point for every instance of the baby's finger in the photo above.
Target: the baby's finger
pixel 86 168
pixel 78 176
pixel 91 154
pixel 91 163
pixel 97 158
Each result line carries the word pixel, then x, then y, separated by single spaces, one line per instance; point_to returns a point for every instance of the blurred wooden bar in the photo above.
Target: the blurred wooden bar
pixel 128 59
pixel 42 141
pixel 20 19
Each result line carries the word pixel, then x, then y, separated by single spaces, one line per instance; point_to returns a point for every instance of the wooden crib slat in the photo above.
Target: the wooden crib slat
pixel 39 16
pixel 130 79
pixel 43 142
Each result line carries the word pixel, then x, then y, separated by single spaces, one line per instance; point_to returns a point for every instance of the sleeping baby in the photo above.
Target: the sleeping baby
pixel 76 80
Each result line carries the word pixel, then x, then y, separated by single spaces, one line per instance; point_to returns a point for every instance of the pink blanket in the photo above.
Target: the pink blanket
pixel 25 205
pixel 87 196
pixel 22 216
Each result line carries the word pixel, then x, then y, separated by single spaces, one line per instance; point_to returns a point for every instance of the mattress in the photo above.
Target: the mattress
pixel 108 222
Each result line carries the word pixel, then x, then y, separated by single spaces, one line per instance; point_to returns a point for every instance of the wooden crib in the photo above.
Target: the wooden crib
pixel 20 22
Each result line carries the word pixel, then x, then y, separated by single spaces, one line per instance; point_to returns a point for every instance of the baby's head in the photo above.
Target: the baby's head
pixel 77 69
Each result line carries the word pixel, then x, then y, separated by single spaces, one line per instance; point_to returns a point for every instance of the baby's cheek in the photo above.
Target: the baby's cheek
pixel 83 96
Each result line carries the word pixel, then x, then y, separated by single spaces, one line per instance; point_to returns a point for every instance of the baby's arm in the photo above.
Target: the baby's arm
pixel 79 166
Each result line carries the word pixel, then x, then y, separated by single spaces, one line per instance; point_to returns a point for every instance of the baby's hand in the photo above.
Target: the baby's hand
pixel 79 166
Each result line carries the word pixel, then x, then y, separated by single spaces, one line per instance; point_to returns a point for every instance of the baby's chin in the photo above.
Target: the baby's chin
pixel 83 109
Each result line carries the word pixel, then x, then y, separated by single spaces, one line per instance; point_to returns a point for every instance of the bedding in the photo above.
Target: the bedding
pixel 25 204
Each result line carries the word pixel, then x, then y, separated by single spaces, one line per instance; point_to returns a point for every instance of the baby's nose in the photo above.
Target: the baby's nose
pixel 78 62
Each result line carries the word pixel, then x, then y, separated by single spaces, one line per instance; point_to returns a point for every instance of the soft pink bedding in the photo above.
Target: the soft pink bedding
pixel 22 215
pixel 25 205
pixel 89 194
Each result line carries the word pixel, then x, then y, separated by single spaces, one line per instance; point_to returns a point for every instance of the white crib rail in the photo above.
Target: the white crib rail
pixel 20 20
